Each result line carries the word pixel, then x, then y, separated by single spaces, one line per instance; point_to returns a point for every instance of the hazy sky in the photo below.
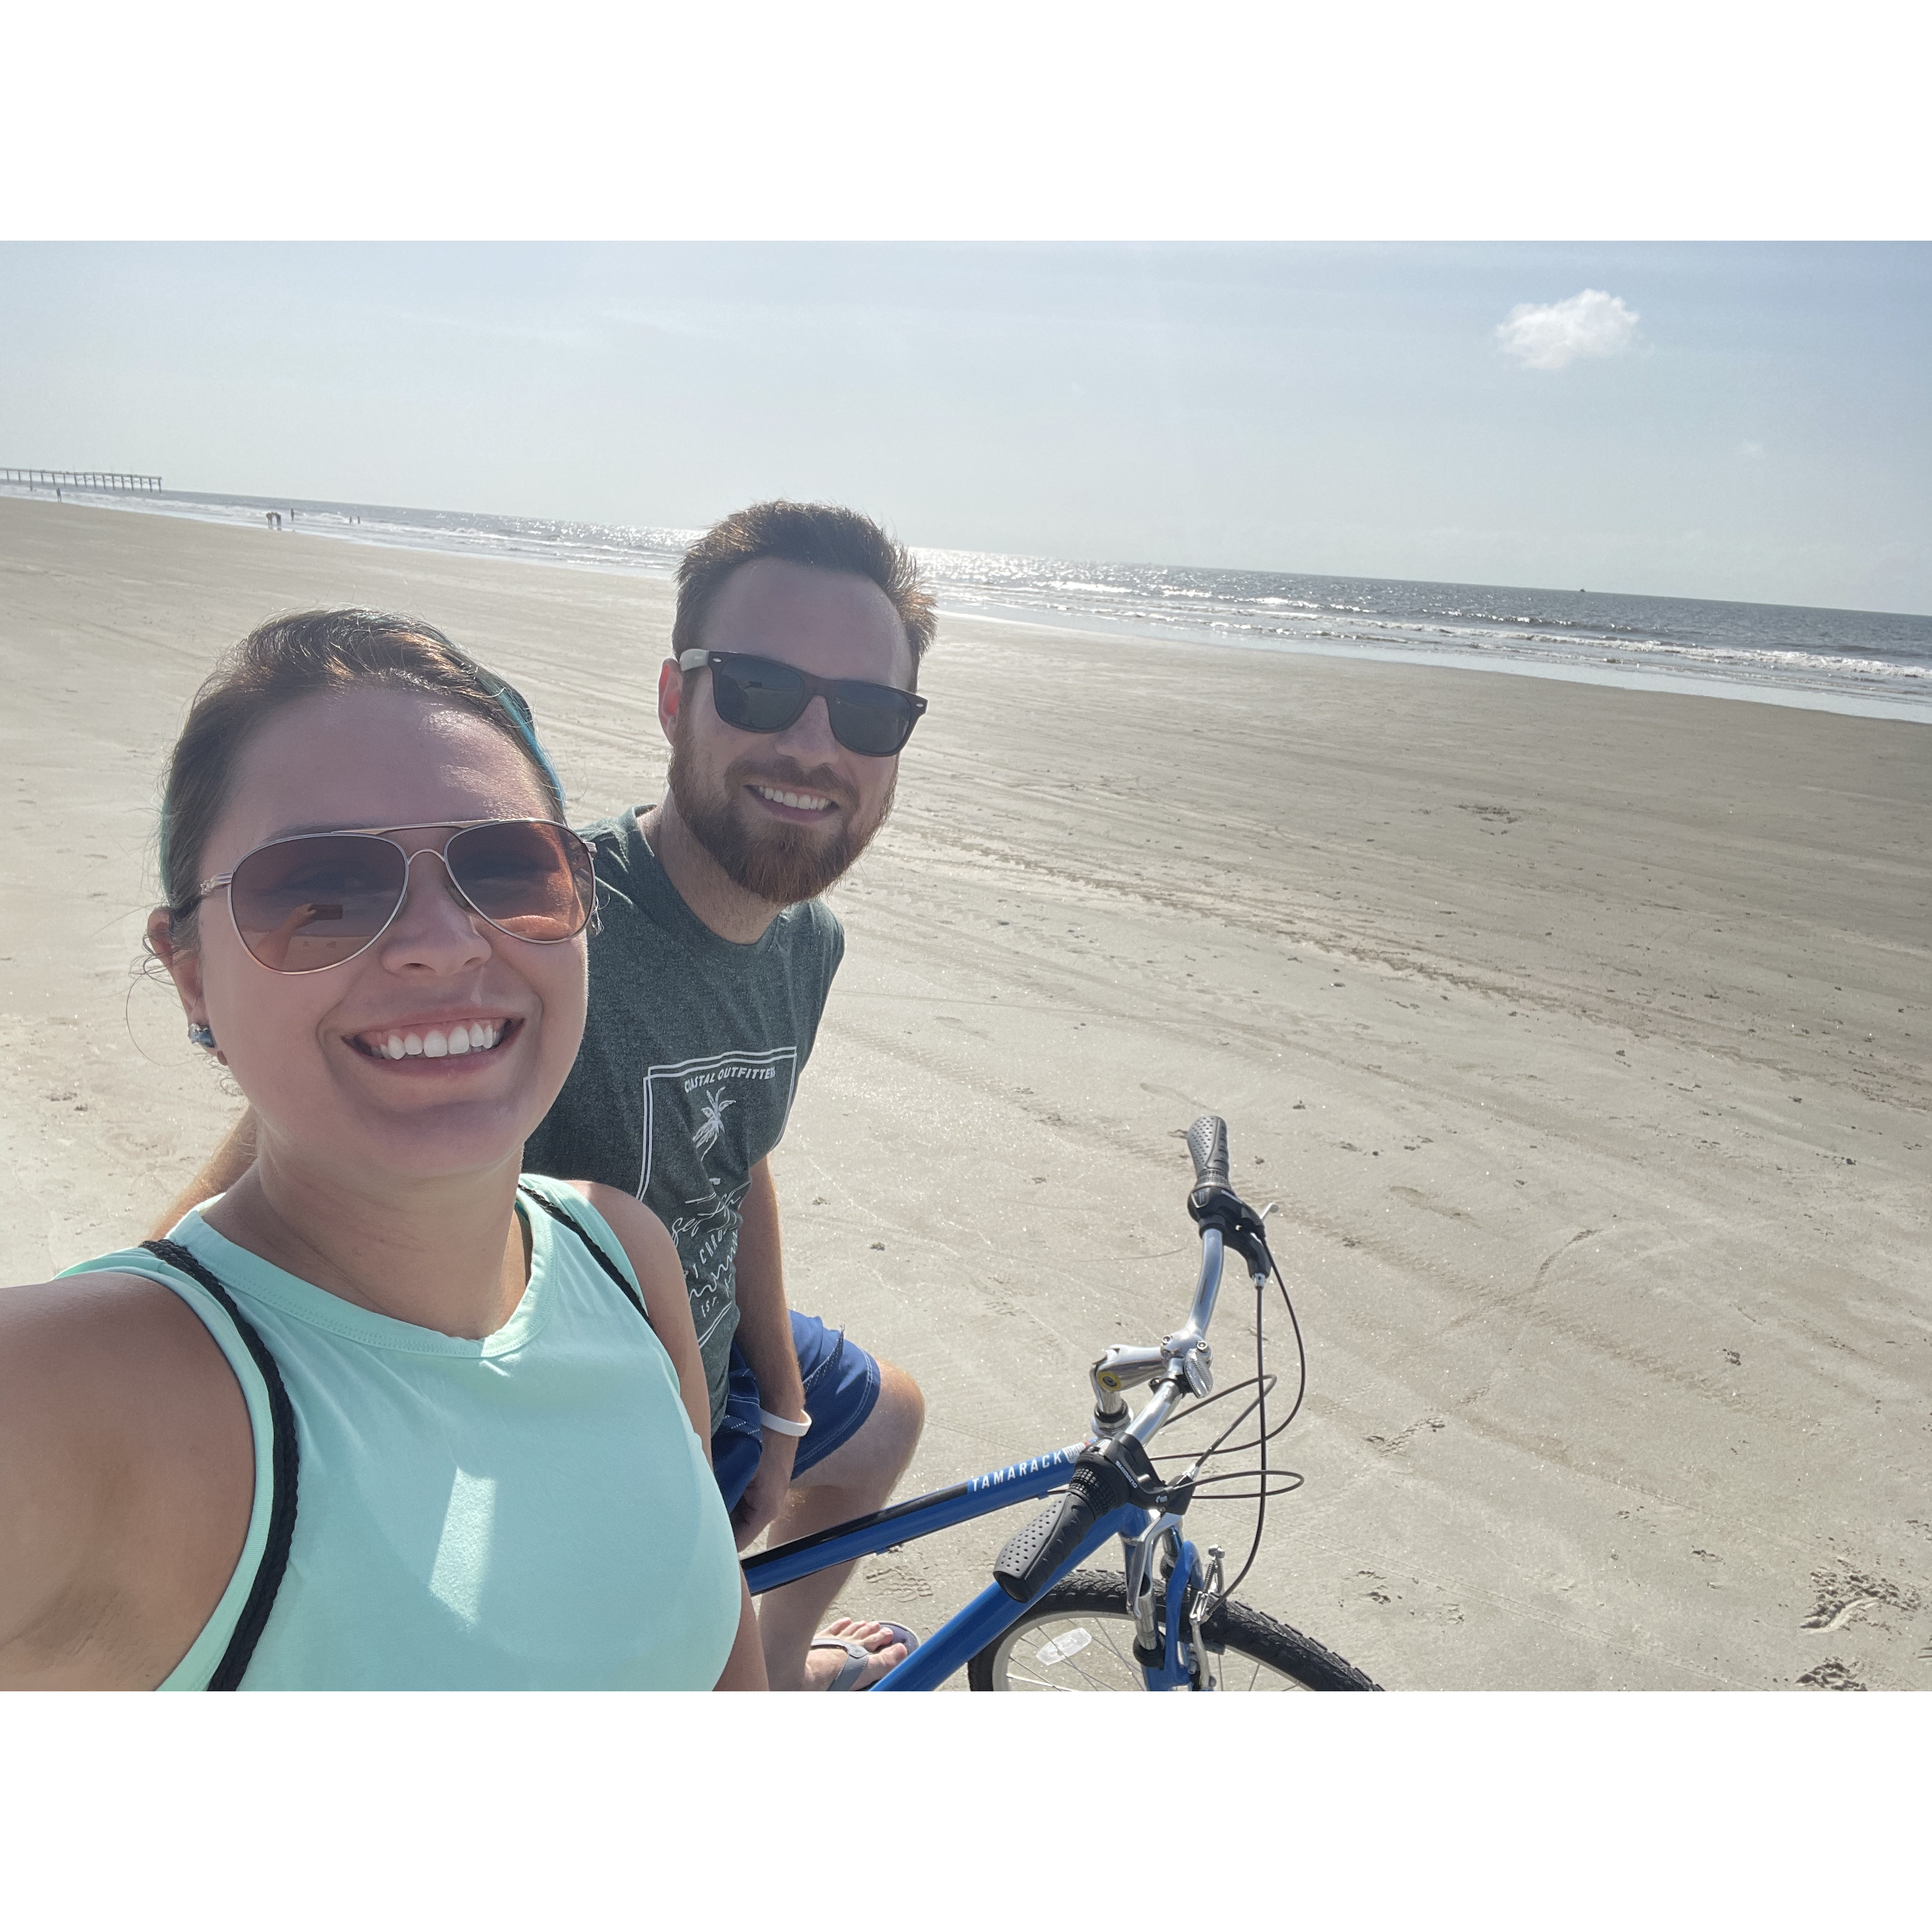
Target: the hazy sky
pixel 1750 422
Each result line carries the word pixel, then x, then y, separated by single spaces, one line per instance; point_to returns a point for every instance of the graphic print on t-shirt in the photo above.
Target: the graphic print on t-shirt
pixel 707 1123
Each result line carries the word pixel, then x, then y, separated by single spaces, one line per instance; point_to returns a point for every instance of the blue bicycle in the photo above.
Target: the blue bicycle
pixel 1166 1622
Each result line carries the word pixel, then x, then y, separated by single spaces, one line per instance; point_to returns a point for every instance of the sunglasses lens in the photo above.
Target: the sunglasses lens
pixel 533 879
pixel 755 694
pixel 308 903
pixel 872 719
pixel 761 694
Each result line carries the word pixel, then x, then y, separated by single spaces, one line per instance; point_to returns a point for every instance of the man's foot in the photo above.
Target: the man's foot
pixel 847 1655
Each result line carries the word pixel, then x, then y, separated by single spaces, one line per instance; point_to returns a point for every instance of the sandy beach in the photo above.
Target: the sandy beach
pixel 1582 1036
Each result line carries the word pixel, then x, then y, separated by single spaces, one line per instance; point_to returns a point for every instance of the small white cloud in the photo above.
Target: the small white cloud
pixel 1552 335
pixel 1752 452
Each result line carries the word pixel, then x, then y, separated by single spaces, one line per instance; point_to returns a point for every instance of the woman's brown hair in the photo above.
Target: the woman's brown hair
pixel 291 658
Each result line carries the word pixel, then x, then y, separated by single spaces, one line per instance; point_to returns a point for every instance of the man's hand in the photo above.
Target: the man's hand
pixel 764 1335
pixel 765 1495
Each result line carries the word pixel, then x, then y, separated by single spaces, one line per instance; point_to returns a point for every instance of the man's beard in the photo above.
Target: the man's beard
pixel 780 863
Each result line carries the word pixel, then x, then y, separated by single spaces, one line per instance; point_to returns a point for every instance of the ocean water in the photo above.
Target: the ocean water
pixel 1872 663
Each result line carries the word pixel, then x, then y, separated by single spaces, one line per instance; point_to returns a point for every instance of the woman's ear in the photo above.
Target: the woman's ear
pixel 183 964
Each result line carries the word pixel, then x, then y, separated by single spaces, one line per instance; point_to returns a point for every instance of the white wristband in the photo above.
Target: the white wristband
pixel 780 1426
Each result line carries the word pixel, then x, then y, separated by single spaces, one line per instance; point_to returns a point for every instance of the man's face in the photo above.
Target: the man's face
pixel 785 813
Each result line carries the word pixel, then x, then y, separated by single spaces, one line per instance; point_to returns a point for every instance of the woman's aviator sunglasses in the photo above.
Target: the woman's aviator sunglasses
pixel 754 694
pixel 303 903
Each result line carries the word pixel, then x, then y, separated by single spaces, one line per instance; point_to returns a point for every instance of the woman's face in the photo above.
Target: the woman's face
pixel 309 1049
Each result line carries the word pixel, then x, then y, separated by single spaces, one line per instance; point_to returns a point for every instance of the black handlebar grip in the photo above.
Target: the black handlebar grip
pixel 1031 1555
pixel 1207 1142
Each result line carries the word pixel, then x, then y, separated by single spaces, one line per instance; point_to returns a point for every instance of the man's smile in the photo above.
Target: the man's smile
pixel 797 808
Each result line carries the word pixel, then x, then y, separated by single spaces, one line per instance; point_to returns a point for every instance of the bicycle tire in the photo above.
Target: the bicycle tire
pixel 1081 1632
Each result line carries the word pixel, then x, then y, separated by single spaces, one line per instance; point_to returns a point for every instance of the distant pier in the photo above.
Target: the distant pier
pixel 84 479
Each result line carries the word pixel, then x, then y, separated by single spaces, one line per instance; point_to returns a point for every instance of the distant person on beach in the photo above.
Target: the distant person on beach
pixel 787 697
pixel 385 1415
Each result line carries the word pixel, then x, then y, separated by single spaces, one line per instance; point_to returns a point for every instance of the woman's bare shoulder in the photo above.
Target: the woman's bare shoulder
pixel 110 1339
pixel 126 1476
pixel 646 1239
pixel 100 1342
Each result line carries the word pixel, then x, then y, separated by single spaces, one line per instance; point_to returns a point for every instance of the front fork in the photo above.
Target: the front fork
pixel 1170 1649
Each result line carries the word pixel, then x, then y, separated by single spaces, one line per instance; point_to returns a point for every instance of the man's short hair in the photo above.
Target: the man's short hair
pixel 824 536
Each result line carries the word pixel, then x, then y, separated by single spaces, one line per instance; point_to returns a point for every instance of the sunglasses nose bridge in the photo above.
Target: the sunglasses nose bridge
pixel 453 890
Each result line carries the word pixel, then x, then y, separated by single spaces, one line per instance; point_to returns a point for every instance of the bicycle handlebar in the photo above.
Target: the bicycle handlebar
pixel 1116 1472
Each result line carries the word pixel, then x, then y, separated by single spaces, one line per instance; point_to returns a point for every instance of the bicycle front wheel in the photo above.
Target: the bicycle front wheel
pixel 1080 1636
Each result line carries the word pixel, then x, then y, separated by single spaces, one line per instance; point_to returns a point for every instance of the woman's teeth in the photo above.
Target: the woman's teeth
pixel 478 1036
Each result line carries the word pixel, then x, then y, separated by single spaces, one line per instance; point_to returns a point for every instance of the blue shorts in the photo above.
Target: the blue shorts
pixel 841 1384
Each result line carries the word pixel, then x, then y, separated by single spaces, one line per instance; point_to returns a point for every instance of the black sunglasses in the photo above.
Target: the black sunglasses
pixel 761 694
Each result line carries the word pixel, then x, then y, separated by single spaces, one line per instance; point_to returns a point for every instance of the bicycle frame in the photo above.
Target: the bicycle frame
pixel 963 1635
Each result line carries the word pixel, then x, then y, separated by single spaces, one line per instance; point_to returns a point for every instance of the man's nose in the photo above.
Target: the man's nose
pixel 809 735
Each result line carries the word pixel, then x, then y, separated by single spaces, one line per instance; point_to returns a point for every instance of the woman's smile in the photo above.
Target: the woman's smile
pixel 468 1039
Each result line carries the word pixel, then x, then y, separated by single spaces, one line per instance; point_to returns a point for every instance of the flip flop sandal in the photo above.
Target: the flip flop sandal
pixel 857 1657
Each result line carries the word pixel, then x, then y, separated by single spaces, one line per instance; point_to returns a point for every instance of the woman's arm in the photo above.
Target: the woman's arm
pixel 744 1668
pixel 660 1275
pixel 126 1479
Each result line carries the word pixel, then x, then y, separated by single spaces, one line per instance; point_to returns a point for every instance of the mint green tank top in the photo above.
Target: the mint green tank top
pixel 530 1511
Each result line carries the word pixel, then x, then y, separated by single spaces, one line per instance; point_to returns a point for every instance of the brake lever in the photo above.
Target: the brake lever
pixel 1239 1226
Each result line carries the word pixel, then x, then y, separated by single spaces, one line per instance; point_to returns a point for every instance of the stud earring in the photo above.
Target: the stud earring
pixel 201 1035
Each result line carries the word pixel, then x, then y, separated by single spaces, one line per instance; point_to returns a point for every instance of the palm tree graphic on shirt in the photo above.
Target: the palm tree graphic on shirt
pixel 711 1126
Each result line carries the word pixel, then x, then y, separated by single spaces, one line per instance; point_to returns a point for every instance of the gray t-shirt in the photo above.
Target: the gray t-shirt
pixel 692 1047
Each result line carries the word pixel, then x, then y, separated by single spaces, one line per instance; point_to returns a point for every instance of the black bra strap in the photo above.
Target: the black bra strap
pixel 597 1253
pixel 285 1462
